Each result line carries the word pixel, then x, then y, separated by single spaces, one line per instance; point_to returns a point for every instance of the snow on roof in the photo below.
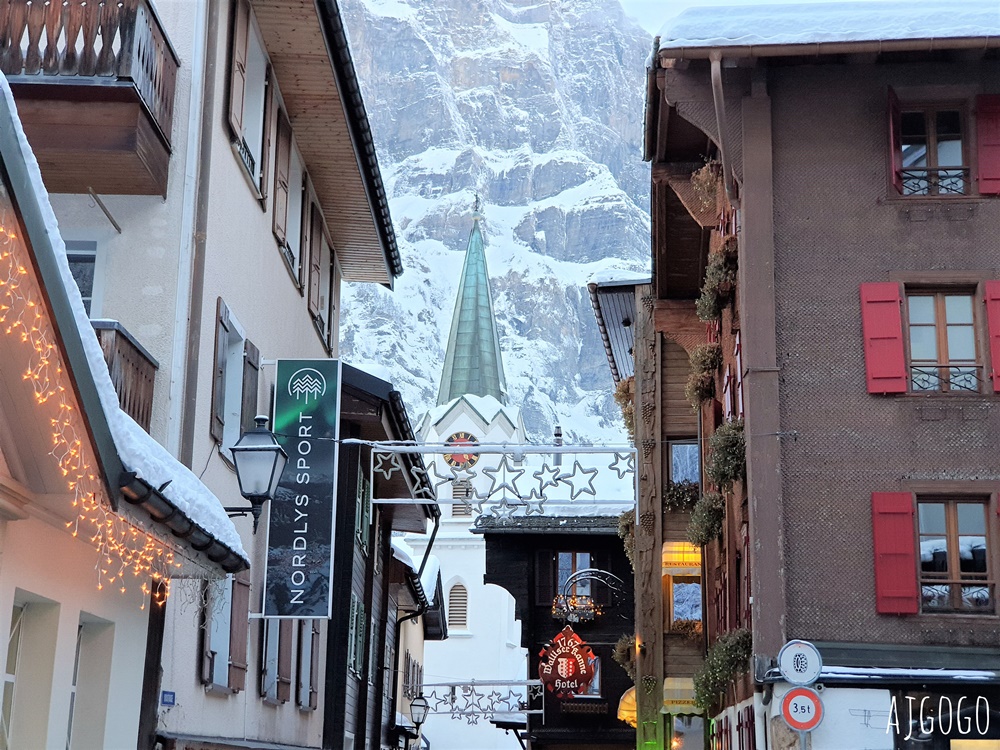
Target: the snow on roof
pixel 618 276
pixel 488 407
pixel 428 581
pixel 811 23
pixel 138 451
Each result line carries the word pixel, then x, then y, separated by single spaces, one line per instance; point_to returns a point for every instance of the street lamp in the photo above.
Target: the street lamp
pixel 259 461
pixel 418 713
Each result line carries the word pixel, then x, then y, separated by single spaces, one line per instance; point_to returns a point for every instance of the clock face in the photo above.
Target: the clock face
pixel 461 457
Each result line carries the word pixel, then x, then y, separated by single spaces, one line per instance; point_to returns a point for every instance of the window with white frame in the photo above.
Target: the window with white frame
pixel 87 273
pixel 10 676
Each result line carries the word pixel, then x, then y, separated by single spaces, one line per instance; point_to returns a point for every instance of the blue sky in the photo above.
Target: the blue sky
pixel 651 14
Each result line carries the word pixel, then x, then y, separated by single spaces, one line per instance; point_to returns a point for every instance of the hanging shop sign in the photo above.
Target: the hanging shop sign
pixel 567 665
pixel 300 529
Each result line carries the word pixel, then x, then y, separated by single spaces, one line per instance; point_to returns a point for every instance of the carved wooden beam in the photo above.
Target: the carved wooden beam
pixel 648 527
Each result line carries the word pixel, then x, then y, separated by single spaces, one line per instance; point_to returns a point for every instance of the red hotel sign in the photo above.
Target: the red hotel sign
pixel 567 665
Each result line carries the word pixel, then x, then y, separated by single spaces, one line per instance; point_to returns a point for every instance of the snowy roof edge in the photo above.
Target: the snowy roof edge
pixel 829 28
pixel 43 235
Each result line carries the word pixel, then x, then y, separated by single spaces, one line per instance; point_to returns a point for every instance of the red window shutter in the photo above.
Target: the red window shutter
pixel 895 553
pixel 285 661
pixel 238 66
pixel 988 143
pixel 239 626
pixel 882 325
pixel 992 300
pixel 895 140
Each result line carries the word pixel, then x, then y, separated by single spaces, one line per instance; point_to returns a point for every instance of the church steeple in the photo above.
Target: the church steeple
pixel 472 364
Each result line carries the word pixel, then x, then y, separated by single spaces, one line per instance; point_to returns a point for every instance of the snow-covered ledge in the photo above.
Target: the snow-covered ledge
pixel 164 498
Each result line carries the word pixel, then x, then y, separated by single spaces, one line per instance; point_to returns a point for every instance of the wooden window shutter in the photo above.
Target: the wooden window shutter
pixel 315 251
pixel 251 381
pixel 882 325
pixel 222 328
pixel 285 661
pixel 331 303
pixel 205 636
pixel 267 140
pixel 895 140
pixel 988 143
pixel 305 230
pixel 991 298
pixel 239 627
pixel 894 542
pixel 351 637
pixel 282 167
pixel 544 579
pixel 314 669
pixel 238 66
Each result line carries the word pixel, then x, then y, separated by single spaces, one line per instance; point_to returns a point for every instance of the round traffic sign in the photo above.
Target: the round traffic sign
pixel 802 709
pixel 800 662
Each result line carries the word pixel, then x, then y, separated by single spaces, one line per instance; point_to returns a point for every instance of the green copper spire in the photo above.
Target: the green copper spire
pixel 472 363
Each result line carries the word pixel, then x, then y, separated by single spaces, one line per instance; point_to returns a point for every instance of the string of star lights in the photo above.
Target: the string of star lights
pixel 122 547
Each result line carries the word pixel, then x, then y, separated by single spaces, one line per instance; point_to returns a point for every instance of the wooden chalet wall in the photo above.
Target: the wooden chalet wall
pixel 522 563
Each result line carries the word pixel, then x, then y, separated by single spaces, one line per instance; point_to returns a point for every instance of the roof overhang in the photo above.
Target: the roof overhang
pixel 311 60
pixel 147 505
pixel 614 308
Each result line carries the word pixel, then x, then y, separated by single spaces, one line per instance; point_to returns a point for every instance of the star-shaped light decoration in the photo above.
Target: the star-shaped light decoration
pixel 386 464
pixel 514 701
pixel 472 698
pixel 507 482
pixel 547 476
pixel 494 699
pixel 533 503
pixel 503 510
pixel 437 479
pixel 623 464
pixel 578 470
pixel 446 700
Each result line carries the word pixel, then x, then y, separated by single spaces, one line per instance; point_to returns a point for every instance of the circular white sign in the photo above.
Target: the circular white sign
pixel 802 709
pixel 800 662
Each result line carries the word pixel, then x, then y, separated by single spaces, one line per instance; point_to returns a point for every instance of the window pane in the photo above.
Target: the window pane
pixel 931 518
pixel 687 601
pixel 921 308
pixel 961 344
pixel 914 136
pixel 971 518
pixel 923 343
pixel 934 554
pixel 958 308
pixel 82 265
pixel 684 462
pixel 565 569
pixel 949 136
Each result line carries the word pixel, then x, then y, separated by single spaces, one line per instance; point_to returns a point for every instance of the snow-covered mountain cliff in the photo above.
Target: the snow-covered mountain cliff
pixel 535 105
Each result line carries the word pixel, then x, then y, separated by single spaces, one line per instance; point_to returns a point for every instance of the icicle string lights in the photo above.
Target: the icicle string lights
pixel 124 550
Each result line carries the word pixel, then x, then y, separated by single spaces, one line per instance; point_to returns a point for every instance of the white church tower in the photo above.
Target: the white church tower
pixel 483 635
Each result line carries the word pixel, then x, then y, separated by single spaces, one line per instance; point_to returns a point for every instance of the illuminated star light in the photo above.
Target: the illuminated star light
pixel 507 483
pixel 578 470
pixel 381 459
pixel 533 504
pixel 623 464
pixel 547 476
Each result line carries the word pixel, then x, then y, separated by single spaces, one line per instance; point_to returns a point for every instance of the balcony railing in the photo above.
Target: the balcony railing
pixel 132 369
pixel 948 376
pixel 940 181
pixel 77 41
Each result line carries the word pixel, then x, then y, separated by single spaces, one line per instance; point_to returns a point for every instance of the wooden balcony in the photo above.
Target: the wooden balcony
pixel 132 369
pixel 94 85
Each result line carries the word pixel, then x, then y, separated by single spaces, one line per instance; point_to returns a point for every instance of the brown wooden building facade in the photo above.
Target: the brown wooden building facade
pixel 843 258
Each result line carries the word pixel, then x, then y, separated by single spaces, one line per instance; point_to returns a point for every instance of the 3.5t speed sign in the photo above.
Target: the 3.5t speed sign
pixel 802 709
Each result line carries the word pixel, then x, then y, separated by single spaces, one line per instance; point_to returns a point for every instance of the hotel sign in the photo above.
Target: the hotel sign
pixel 300 530
pixel 567 665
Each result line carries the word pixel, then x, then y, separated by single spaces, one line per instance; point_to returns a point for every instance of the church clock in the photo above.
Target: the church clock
pixel 459 458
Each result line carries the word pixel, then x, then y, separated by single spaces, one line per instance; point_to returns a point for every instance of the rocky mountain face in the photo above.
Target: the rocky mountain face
pixel 536 106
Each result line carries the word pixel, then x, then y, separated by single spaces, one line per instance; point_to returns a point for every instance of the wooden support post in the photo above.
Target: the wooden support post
pixel 648 527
